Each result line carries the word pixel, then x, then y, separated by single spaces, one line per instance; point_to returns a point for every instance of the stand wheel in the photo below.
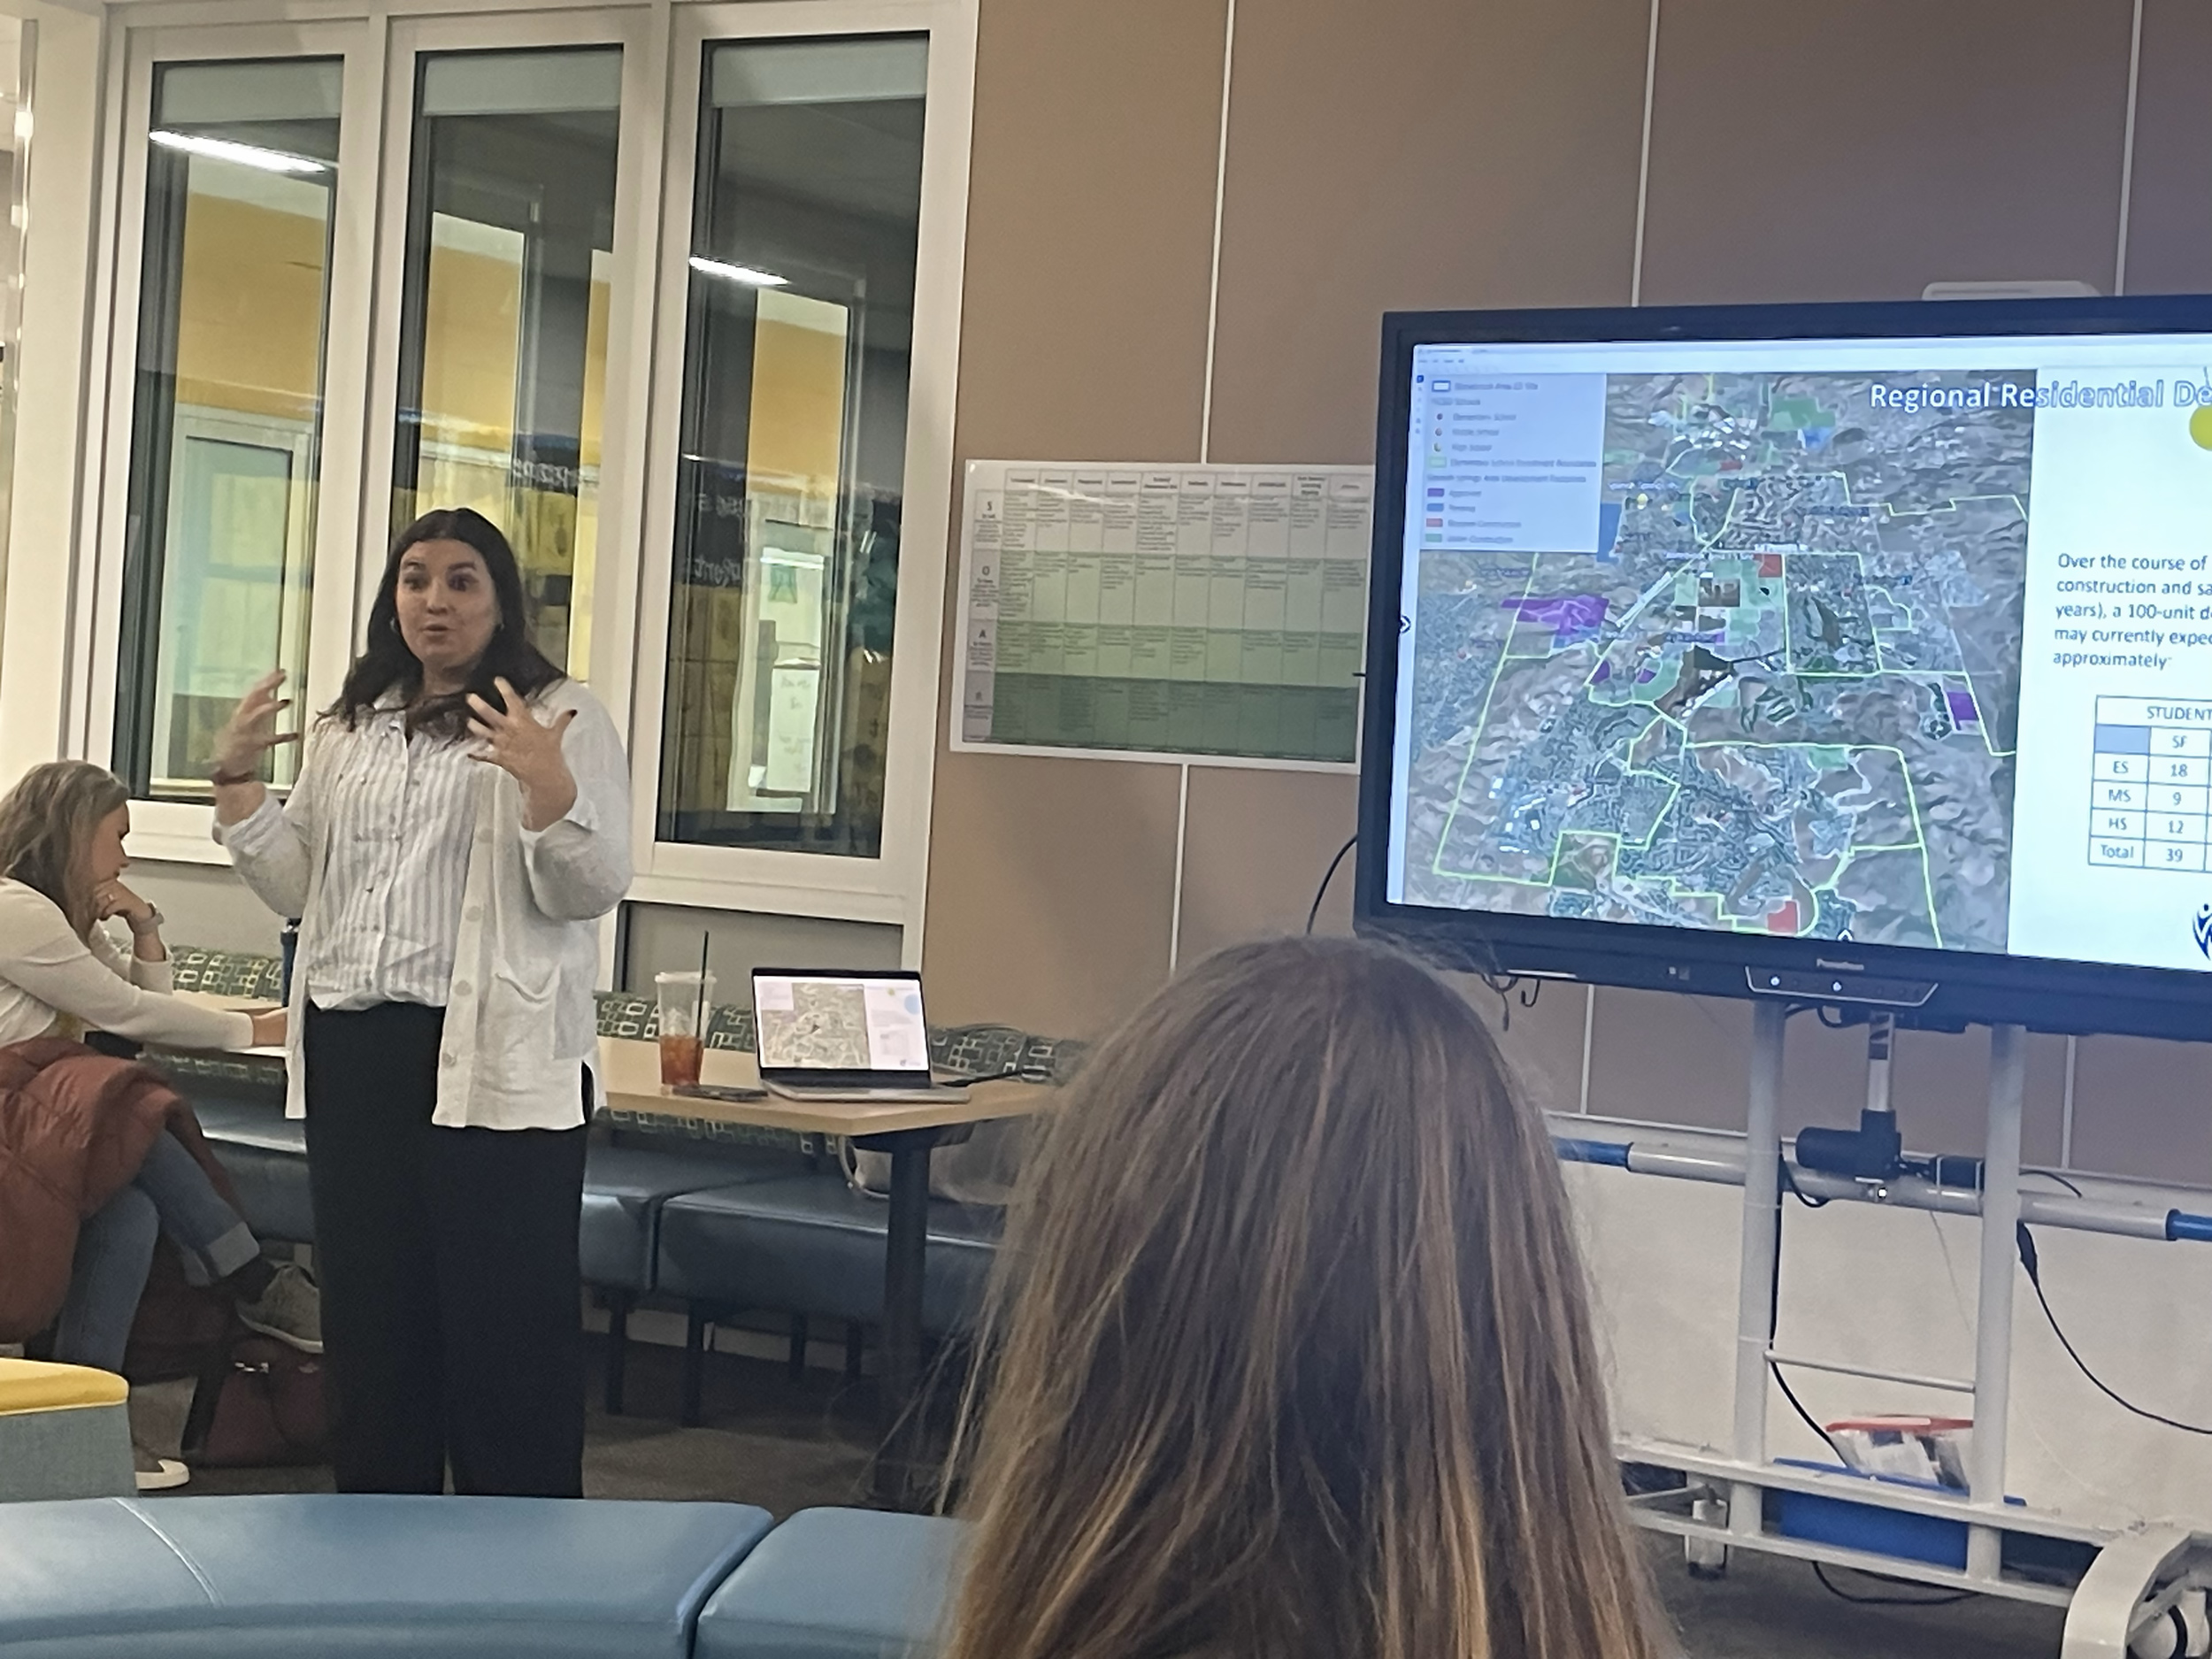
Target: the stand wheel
pixel 2184 1632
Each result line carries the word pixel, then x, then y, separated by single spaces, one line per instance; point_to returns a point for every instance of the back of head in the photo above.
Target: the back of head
pixel 1290 1354
pixel 46 824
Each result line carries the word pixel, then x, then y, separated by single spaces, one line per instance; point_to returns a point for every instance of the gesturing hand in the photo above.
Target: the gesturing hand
pixel 528 750
pixel 250 732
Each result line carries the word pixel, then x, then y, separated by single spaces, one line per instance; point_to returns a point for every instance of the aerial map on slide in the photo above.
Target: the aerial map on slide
pixel 825 1027
pixel 1781 697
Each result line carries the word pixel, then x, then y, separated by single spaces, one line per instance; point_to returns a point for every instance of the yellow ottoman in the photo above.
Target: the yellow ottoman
pixel 64 1432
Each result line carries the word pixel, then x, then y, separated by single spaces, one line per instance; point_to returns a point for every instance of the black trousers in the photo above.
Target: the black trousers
pixel 448 1260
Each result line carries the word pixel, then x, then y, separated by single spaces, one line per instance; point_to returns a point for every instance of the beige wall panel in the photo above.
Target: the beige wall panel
pixel 1258 844
pixel 1405 153
pixel 1090 230
pixel 2141 1107
pixel 2170 211
pixel 1677 1059
pixel 1670 1059
pixel 1543 1044
pixel 1050 883
pixel 1090 235
pixel 1860 152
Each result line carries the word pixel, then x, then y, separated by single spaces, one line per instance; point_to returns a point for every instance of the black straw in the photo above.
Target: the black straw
pixel 699 1013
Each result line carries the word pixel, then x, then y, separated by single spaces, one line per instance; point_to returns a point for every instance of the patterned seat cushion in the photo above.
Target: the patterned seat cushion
pixel 227 973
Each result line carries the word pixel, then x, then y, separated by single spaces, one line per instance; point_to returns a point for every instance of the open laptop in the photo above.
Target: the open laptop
pixel 844 1035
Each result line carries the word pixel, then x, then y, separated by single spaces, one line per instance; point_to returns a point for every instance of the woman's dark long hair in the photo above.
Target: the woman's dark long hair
pixel 387 665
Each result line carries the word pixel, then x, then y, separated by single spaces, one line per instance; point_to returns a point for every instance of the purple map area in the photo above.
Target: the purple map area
pixel 1572 618
pixel 1963 709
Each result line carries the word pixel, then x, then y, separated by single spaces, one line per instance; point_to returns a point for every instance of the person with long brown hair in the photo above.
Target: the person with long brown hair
pixel 62 829
pixel 1289 1351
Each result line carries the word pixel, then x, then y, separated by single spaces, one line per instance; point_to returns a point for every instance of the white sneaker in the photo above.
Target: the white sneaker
pixel 155 1473
pixel 290 1309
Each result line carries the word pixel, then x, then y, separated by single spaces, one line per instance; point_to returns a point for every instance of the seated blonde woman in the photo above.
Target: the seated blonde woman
pixel 1289 1354
pixel 61 864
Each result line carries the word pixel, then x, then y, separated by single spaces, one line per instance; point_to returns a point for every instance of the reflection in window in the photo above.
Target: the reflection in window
pixel 219 533
pixel 792 443
pixel 504 334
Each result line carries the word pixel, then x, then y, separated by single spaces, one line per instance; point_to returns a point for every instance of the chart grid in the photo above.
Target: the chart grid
pixel 2150 776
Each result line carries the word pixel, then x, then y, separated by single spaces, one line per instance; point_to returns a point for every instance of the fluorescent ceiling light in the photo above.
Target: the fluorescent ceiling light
pixel 243 155
pixel 739 273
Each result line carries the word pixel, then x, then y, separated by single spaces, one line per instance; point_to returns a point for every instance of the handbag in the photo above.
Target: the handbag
pixel 260 1406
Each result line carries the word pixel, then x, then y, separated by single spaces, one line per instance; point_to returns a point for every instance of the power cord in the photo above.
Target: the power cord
pixel 1838 1591
pixel 1321 892
pixel 1798 1406
pixel 2027 1242
pixel 1789 1186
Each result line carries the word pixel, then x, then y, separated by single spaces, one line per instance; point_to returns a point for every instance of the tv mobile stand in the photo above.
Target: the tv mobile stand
pixel 2144 1592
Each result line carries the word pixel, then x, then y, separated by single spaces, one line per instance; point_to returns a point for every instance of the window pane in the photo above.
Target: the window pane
pixel 504 334
pixel 794 443
pixel 241 165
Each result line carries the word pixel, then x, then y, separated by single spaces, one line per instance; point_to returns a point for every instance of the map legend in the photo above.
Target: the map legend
pixel 2150 775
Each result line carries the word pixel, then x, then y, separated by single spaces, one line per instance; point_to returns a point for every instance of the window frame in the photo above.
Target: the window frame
pixel 641 34
pixel 179 831
pixel 892 887
pixel 665 44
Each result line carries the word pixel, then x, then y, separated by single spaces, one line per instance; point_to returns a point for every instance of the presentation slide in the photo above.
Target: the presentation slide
pixel 1905 643
pixel 840 1025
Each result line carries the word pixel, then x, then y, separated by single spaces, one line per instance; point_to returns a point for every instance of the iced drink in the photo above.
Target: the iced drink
pixel 687 1001
pixel 680 1059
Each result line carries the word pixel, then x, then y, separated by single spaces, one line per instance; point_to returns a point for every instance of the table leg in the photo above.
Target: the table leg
pixel 905 1261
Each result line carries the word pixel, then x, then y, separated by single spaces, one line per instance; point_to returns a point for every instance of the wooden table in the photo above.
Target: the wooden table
pixel 908 1131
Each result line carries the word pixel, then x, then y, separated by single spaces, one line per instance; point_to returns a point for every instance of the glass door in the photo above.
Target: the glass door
pixel 241 169
pixel 791 465
pixel 505 304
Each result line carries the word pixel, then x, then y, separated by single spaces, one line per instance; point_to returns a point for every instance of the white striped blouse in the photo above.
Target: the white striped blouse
pixel 388 912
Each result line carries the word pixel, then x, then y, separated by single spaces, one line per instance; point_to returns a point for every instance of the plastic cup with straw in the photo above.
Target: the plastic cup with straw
pixel 685 1000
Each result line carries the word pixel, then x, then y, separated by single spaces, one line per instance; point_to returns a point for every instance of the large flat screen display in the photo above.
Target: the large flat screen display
pixel 1860 653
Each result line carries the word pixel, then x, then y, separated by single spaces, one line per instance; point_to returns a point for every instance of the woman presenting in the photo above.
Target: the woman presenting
pixel 461 819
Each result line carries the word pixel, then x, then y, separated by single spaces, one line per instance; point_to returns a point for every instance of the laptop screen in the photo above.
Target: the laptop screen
pixel 825 1022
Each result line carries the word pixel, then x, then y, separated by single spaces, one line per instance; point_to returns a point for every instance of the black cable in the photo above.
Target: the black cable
pixel 2026 1241
pixel 1327 876
pixel 1837 1590
pixel 1789 1184
pixel 2053 1175
pixel 1797 1405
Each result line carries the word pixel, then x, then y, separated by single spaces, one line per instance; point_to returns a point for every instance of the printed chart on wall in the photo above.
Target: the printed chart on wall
pixel 1164 612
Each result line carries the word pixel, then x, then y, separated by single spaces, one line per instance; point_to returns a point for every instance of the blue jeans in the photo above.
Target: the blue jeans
pixel 171 1194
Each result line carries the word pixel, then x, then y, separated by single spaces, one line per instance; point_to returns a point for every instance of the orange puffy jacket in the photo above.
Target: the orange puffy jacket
pixel 74 1127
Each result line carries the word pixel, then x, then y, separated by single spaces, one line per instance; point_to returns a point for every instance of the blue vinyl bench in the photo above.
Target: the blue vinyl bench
pixel 447 1578
pixel 290 1574
pixel 809 1245
pixel 885 1599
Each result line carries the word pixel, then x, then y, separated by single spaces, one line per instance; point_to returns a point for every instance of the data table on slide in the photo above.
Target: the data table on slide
pixel 2150 778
